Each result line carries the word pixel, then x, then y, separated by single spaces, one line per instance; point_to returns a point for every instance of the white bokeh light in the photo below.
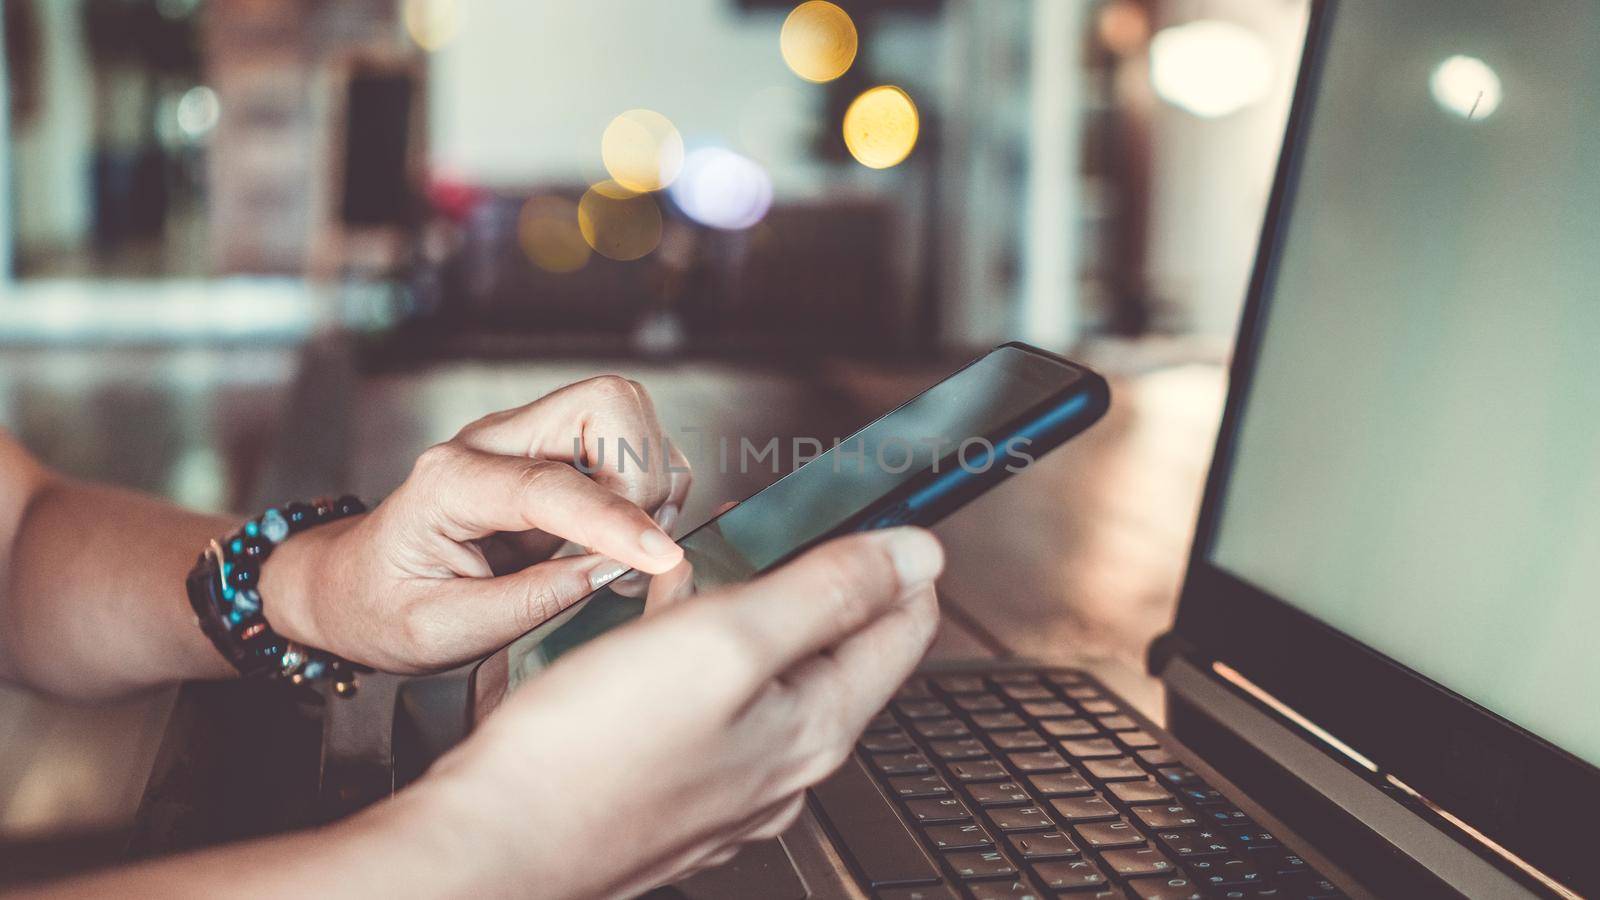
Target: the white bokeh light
pixel 1209 67
pixel 719 188
pixel 1467 87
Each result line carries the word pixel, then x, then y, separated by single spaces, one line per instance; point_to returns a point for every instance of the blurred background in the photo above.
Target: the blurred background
pixel 258 249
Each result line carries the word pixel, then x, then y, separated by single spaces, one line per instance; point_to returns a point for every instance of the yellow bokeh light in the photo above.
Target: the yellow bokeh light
pixel 618 223
pixel 818 41
pixel 432 23
pixel 642 151
pixel 549 234
pixel 881 126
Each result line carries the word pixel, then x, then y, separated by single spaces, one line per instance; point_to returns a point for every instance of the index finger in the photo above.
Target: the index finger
pixel 827 594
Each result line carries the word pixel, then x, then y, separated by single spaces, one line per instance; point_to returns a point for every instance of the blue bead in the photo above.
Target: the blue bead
pixel 236 546
pixel 251 529
pixel 235 617
pixel 227 592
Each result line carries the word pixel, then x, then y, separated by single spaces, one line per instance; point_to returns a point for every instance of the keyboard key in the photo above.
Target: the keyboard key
pixel 914 690
pixel 870 830
pixel 997 721
pixel 979 770
pixel 1134 740
pixel 1061 784
pixel 1310 886
pixel 1137 862
pixel 981 864
pixel 1094 747
pixel 1170 816
pixel 1068 728
pixel 935 810
pixel 1176 887
pixel 1141 791
pixel 1230 817
pixel 1105 835
pixel 1015 889
pixel 966 748
pixel 1027 692
pixel 1281 862
pixel 1065 679
pixel 1046 845
pixel 958 837
pixel 1179 776
pixel 1202 795
pixel 1082 809
pixel 928 892
pixel 1014 677
pixel 882 722
pixel 960 684
pixel 1039 761
pixel 1020 818
pixel 933 729
pixel 1047 709
pixel 1004 793
pixel 1083 692
pixel 1118 723
pixel 887 741
pixel 1189 842
pixel 909 786
pixel 1253 839
pixel 1156 756
pixel 1017 740
pixel 1098 707
pixel 1225 871
pixel 922 709
pixel 1120 769
pixel 901 763
pixel 981 703
pixel 1069 874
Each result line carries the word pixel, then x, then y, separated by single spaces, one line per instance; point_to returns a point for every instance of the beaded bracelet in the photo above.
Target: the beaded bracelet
pixel 225 594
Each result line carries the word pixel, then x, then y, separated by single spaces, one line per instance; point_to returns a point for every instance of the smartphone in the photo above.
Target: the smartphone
pixel 913 466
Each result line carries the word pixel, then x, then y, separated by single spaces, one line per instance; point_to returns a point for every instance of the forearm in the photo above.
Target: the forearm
pixel 93 601
pixel 411 845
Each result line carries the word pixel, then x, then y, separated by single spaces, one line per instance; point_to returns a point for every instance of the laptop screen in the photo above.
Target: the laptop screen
pixel 1418 459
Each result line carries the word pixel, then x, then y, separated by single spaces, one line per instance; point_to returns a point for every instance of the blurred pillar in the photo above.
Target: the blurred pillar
pixel 5 166
pixel 1049 313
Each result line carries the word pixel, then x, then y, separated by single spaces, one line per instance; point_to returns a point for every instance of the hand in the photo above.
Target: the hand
pixel 661 747
pixel 419 583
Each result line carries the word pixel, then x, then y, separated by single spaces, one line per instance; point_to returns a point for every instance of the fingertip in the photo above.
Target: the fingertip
pixel 659 549
pixel 917 555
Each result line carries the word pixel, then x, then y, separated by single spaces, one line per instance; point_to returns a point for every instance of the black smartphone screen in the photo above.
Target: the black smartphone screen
pixel 954 424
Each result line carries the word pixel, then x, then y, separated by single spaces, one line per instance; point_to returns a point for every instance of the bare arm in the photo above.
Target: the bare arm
pixel 91 584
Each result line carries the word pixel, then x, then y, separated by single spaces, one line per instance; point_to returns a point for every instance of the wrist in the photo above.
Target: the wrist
pixel 297 574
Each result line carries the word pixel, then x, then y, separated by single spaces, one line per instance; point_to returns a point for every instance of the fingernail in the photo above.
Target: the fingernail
pixel 656 543
pixel 917 556
pixel 667 516
pixel 606 572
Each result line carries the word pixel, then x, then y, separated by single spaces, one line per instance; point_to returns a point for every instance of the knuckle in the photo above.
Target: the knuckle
pixel 540 600
pixel 436 459
pixel 611 387
pixel 844 585
pixel 418 634
pixel 535 477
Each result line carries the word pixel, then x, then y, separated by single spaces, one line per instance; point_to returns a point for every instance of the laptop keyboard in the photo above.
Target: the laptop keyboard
pixel 1037 784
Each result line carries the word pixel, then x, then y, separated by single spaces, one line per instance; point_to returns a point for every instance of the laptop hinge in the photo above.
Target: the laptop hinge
pixel 1328 801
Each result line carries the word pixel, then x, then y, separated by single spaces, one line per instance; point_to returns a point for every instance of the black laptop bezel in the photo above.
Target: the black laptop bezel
pixel 1519 790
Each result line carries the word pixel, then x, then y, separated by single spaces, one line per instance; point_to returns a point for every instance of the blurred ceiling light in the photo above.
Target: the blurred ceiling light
pixel 432 23
pixel 818 41
pixel 547 229
pixel 618 223
pixel 642 151
pixel 1123 26
pixel 722 189
pixel 881 126
pixel 1467 87
pixel 1209 67
pixel 198 111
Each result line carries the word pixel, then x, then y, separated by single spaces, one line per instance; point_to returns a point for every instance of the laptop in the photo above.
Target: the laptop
pixel 1380 682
